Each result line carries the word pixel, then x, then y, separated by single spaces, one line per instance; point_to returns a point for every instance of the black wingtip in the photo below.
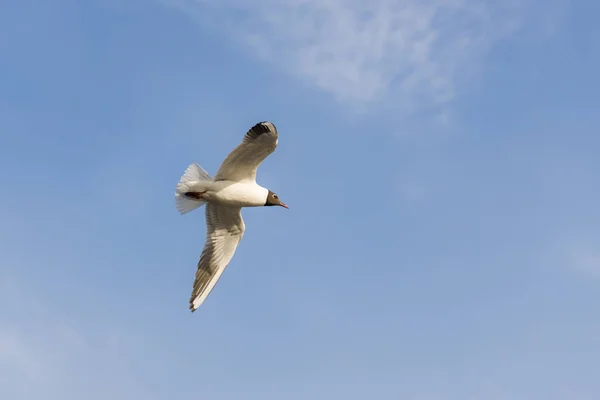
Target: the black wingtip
pixel 261 128
pixel 264 126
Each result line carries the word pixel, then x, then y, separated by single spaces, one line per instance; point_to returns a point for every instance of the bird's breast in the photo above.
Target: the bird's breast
pixel 237 194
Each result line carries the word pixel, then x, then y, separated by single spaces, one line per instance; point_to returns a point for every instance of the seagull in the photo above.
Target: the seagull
pixel 233 187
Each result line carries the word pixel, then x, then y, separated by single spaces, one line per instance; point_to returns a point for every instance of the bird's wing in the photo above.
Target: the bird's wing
pixel 224 230
pixel 242 162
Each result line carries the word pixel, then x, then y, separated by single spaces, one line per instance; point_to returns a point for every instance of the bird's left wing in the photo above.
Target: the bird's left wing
pixel 224 230
pixel 242 163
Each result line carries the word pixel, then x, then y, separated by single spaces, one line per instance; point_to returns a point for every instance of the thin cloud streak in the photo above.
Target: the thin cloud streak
pixel 418 54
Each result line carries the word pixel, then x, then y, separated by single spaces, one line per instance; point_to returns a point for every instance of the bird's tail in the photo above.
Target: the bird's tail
pixel 187 194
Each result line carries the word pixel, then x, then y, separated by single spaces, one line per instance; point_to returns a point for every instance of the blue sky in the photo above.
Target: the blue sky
pixel 440 161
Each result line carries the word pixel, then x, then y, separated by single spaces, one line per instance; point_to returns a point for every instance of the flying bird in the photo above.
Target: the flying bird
pixel 233 187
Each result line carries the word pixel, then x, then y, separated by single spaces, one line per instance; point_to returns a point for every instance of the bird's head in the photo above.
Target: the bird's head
pixel 273 200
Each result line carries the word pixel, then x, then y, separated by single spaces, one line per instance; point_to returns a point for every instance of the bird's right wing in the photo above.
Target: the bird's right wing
pixel 242 163
pixel 224 230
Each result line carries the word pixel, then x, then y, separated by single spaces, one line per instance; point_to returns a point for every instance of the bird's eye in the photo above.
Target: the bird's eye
pixel 274 196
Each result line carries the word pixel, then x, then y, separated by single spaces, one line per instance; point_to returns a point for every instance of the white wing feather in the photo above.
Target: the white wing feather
pixel 224 230
pixel 242 163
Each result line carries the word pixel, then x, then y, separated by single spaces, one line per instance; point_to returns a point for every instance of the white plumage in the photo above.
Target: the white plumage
pixel 233 187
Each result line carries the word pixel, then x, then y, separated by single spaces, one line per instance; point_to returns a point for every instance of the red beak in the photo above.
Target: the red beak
pixel 284 206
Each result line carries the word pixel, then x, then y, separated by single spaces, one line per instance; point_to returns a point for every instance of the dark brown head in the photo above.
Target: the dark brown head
pixel 273 200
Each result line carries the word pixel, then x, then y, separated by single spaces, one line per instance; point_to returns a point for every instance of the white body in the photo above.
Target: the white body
pixel 229 193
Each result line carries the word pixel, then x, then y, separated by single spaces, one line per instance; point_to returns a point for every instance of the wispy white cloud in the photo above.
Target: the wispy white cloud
pixel 44 353
pixel 20 367
pixel 585 259
pixel 416 53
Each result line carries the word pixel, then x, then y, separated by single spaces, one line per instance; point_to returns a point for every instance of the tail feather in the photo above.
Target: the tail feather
pixel 194 174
